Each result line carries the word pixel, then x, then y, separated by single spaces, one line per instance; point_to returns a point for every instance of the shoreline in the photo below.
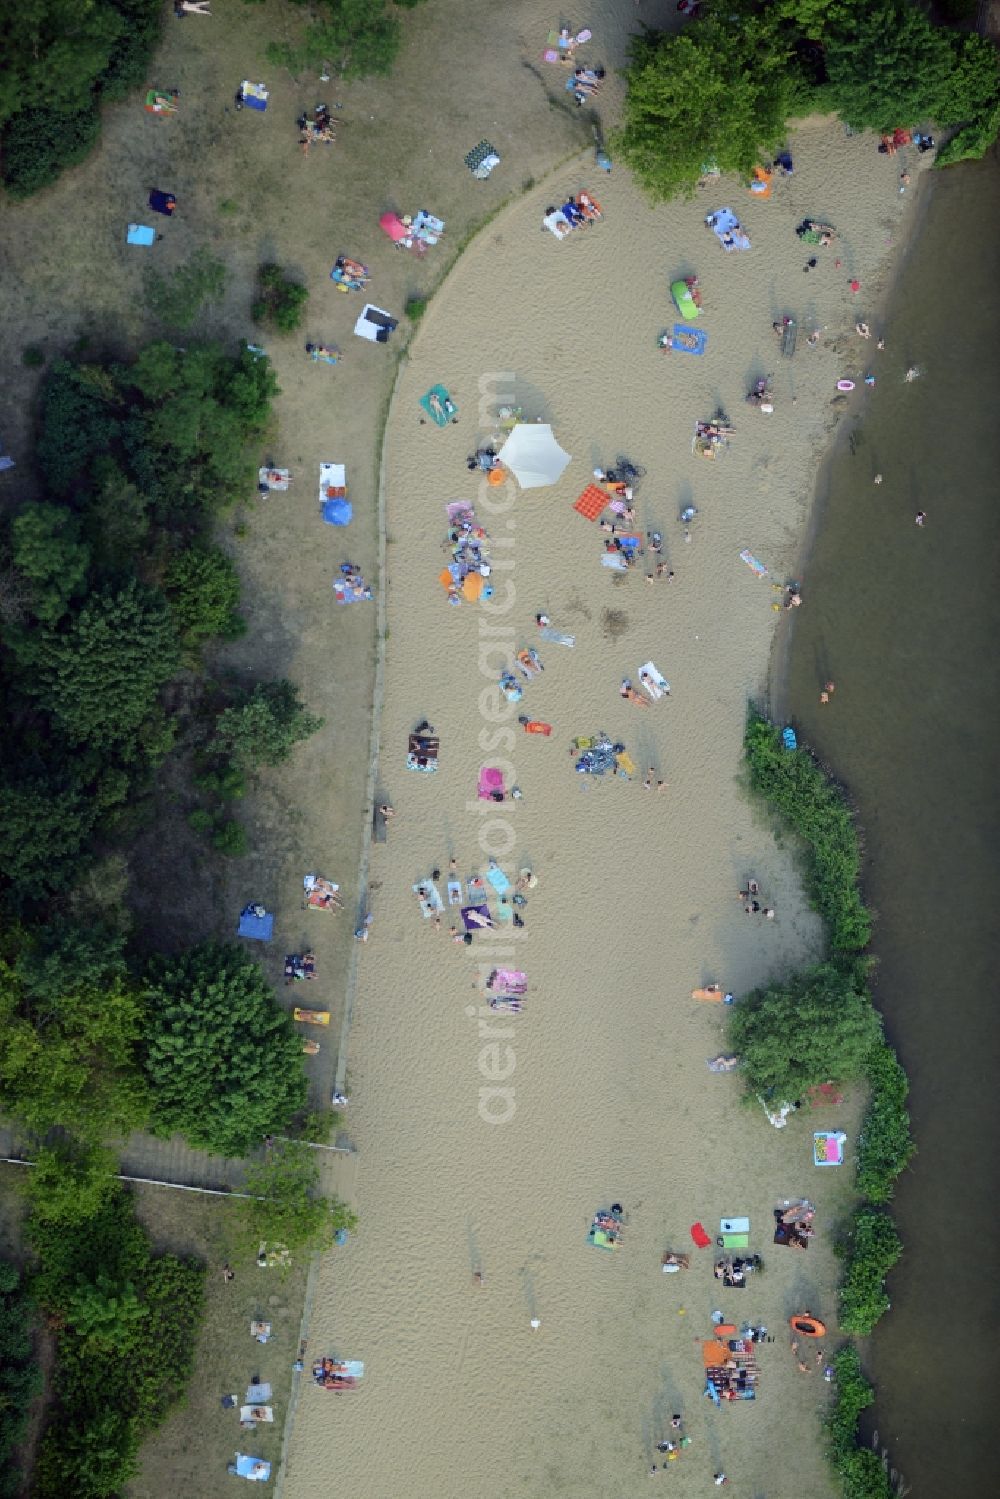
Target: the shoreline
pixel 414 609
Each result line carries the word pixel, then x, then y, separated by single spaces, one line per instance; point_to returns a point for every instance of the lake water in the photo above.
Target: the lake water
pixel 906 622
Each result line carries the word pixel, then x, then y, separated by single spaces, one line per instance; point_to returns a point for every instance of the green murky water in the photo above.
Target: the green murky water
pixel 906 622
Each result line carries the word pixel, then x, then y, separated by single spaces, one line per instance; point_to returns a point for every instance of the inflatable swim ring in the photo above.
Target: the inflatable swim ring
pixel 845 384
pixel 807 1325
pixel 496 477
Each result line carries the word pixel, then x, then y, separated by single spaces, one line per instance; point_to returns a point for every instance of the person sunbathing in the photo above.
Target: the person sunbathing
pixel 629 693
pixel 572 211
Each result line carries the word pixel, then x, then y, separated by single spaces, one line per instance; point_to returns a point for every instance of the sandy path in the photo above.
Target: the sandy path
pixel 635 903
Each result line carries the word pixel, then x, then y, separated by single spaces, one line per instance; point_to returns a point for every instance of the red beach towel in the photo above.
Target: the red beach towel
pixel 591 503
pixel 700 1237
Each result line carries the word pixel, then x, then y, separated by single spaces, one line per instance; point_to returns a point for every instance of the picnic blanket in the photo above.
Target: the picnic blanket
pixel 255 923
pixel 332 482
pixel 828 1147
pixel 482 160
pixel 447 410
pixel 254 95
pixel 591 503
pixel 429 896
pixel 728 230
pixel 160 103
pixel 350 593
pixel 427 227
pixel 321 894
pixel 253 1468
pixel 257 1413
pixel 375 324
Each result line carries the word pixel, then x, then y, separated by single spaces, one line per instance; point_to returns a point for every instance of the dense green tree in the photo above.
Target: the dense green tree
pixel 68 1056
pixel 20 1378
pixel 45 824
pixel 104 1313
pixel 264 726
pixel 49 551
pixel 203 591
pixel 100 674
pixel 81 408
pixel 717 92
pixel 61 59
pixel 116 521
pixel 887 65
pixel 815 1027
pixel 971 89
pixel 69 1184
pixel 223 1062
pixel 286 1207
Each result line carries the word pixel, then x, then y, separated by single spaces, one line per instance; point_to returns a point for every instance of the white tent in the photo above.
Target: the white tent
pixel 532 455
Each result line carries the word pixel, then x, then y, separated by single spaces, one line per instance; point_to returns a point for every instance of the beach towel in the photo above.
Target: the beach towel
pixel 591 503
pixel 753 563
pixel 687 340
pixel 427 227
pixel 728 230
pixel 514 980
pixel 491 784
pixel 557 637
pixel 615 561
pixel 653 682
pixel 476 918
pixel 498 879
pixel 448 407
pixel 700 1237
pixel 273 478
pixel 711 993
pixel 734 1226
pixel 504 911
pixel 558 224
pixel 684 299
pixel 140 234
pixel 482 160
pixel 454 892
pixel 430 897
pixel 734 1241
pixel 625 764
pixel 476 887
pixel 629 541
pixel 760 182
pixel 789 335
pixel 535 726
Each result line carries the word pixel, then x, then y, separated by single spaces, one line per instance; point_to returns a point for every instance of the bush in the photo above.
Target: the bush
pixel 264 727
pixel 356 38
pixel 415 308
pixel 287 1208
pixel 203 591
pixel 202 822
pixel 32 357
pixel 280 302
pixel 871 1249
pixel 884 1146
pixel 815 809
pixel 861 1472
pixel 814 1027
pixel 69 1184
pixel 230 839
pixel 179 298
pixel 227 782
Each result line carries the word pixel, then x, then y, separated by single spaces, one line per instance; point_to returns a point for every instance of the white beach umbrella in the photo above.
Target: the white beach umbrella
pixel 532 455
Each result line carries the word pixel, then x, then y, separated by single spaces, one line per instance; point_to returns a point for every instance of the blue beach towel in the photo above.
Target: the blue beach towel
pixel 448 407
pixel 498 879
pixel 688 340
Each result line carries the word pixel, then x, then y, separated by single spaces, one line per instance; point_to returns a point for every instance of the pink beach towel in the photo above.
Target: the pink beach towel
pixel 490 782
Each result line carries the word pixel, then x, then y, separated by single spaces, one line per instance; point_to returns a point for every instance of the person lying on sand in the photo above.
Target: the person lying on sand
pixel 629 693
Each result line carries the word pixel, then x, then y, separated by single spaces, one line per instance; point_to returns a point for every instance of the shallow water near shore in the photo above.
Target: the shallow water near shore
pixel 905 620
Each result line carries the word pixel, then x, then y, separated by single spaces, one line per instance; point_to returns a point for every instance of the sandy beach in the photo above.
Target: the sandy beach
pixel 635 904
